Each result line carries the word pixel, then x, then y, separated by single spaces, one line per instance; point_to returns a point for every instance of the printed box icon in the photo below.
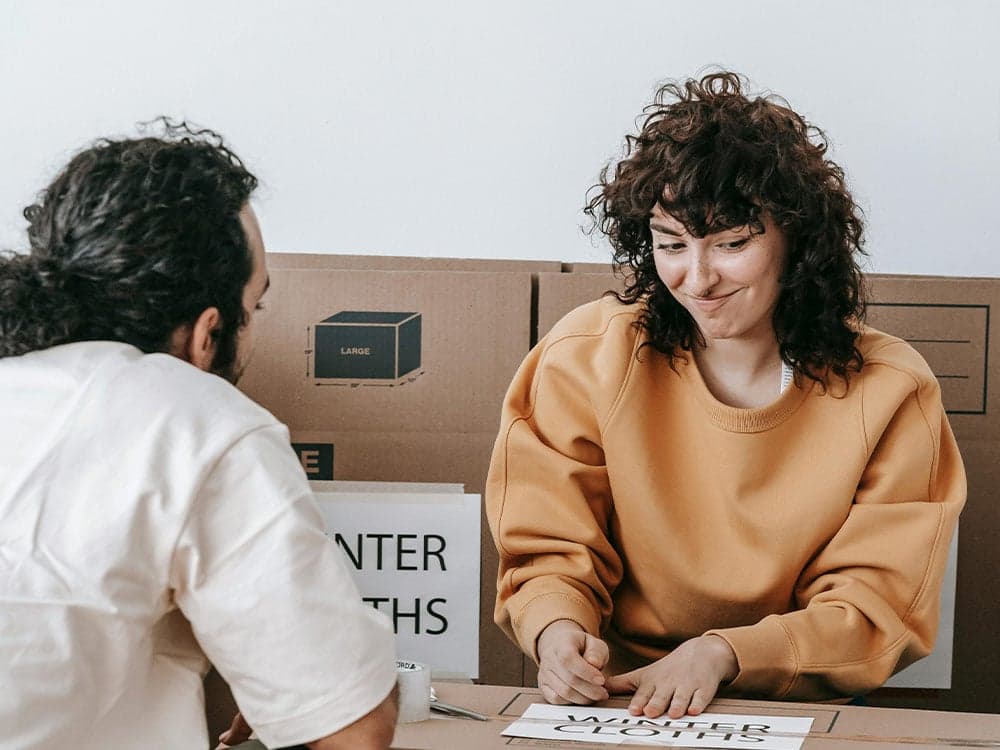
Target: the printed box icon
pixel 357 345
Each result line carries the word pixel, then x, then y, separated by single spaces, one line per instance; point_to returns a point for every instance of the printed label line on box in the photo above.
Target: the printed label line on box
pixel 963 399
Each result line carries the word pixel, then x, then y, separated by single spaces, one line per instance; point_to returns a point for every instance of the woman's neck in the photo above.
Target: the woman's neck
pixel 743 372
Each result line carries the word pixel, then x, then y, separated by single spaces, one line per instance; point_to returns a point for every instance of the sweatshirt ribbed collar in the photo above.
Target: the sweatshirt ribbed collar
pixel 735 419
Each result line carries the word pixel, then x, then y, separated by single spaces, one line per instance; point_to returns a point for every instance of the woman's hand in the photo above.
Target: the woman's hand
pixel 685 681
pixel 570 663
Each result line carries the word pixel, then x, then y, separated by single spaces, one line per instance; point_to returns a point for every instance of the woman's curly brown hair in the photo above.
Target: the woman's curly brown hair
pixel 715 159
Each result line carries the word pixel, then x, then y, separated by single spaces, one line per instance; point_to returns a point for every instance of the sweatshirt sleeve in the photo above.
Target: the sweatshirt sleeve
pixel 548 500
pixel 869 599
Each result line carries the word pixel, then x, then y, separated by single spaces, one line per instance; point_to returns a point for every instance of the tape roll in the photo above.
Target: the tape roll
pixel 414 682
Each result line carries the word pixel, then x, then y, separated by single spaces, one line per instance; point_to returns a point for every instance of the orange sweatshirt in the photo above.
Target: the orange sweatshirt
pixel 811 534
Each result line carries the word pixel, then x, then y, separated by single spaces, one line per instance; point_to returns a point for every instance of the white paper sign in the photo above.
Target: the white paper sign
pixel 415 557
pixel 618 726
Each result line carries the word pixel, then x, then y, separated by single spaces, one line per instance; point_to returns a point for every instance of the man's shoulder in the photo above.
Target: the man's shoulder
pixel 115 382
pixel 189 394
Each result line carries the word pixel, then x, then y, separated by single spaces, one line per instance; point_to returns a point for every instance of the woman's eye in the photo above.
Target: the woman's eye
pixel 259 306
pixel 671 247
pixel 735 244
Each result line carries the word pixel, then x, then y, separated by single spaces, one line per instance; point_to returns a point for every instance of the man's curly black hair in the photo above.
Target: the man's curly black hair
pixel 133 239
pixel 715 159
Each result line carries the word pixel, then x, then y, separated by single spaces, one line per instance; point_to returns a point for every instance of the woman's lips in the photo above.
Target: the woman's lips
pixel 710 304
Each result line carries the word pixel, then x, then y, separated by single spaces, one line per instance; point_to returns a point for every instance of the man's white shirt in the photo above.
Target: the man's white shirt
pixel 151 514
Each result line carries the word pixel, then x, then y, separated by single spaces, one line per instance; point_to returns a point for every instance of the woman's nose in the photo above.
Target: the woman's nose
pixel 702 276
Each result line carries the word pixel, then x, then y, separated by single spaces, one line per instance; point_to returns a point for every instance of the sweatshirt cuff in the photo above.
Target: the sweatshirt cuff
pixel 544 609
pixel 766 657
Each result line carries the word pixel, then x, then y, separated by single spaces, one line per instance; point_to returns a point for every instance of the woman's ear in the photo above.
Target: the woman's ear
pixel 196 343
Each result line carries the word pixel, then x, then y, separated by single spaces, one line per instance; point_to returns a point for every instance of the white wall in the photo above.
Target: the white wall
pixel 474 128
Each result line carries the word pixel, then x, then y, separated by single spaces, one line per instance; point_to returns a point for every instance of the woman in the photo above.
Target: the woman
pixel 721 476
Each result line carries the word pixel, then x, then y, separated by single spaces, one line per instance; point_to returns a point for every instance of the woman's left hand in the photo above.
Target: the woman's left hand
pixel 685 681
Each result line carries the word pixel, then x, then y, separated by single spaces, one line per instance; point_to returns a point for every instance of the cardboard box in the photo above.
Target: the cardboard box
pixel 407 263
pixel 427 413
pixel 478 319
pixel 948 321
pixel 605 268
pixel 559 293
pixel 834 727
pixel 473 332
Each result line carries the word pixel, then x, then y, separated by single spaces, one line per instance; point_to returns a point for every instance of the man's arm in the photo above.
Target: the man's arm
pixel 273 605
pixel 373 731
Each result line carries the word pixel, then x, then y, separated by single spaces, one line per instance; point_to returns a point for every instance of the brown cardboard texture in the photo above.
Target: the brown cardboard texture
pixel 834 727
pixel 383 351
pixel 948 320
pixel 559 293
pixel 405 263
pixel 367 398
pixel 604 268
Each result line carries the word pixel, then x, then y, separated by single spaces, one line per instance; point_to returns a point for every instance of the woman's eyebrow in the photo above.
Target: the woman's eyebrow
pixel 663 229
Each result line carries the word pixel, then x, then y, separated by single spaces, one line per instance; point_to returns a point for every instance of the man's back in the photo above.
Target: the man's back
pixel 140 496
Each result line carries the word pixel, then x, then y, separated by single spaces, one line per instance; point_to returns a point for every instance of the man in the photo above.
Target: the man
pixel 151 514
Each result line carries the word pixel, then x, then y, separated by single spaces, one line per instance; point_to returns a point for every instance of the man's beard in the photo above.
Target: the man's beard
pixel 227 363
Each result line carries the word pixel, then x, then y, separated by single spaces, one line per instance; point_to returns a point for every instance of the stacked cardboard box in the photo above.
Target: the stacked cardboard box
pixel 431 415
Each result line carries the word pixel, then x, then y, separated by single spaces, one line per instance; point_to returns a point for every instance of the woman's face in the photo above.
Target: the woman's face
pixel 729 281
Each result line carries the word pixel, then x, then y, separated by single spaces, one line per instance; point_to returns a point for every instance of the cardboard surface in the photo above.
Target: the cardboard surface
pixel 834 727
pixel 434 423
pixel 559 293
pixel 405 263
pixel 474 330
pixel 948 320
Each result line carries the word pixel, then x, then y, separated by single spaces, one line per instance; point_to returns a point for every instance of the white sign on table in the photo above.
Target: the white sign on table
pixel 617 726
pixel 414 553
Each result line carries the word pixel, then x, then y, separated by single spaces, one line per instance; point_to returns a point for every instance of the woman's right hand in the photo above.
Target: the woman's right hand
pixel 569 664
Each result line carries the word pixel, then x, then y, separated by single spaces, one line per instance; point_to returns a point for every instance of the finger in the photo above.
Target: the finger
pixel 596 652
pixel 678 704
pixel 578 674
pixel 586 685
pixel 700 700
pixel 550 695
pixel 569 692
pixel 572 663
pixel 661 696
pixel 643 692
pixel 621 683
